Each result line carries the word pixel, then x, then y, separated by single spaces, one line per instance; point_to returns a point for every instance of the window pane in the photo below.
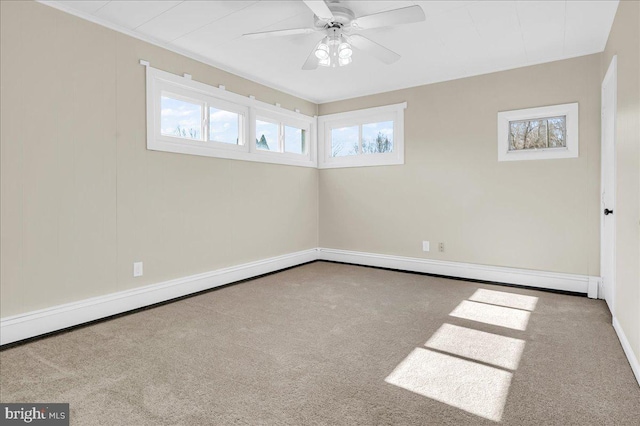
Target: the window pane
pixel 537 134
pixel 377 137
pixel 180 118
pixel 224 126
pixel 344 141
pixel 267 136
pixel 557 132
pixel 294 140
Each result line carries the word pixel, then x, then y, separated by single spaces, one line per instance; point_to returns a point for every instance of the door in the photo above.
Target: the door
pixel 608 186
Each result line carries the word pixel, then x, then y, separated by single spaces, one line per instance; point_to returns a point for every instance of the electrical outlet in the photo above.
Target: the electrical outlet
pixel 137 269
pixel 441 247
pixel 425 246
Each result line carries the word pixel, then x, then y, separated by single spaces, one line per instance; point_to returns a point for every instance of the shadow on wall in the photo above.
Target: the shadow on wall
pixel 466 368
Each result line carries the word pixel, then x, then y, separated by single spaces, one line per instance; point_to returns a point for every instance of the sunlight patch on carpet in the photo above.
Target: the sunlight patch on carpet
pixel 516 319
pixel 478 345
pixel 469 386
pixel 510 300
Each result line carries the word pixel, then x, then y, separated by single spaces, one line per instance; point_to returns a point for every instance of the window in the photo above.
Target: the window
pixel 183 118
pixel 267 137
pixel 368 137
pixel 224 126
pixel 193 122
pixel 280 135
pixel 377 137
pixel 538 133
pixel 295 140
pixel 189 117
pixel 180 118
pixel 344 141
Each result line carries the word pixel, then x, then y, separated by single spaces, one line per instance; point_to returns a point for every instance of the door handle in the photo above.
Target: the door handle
pixel 607 212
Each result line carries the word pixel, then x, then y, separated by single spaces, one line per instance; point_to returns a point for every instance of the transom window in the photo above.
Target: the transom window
pixel 295 140
pixel 369 137
pixel 189 117
pixel 224 126
pixel 181 118
pixel 278 137
pixel 267 136
pixel 377 138
pixel 184 118
pixel 345 141
pixel 281 135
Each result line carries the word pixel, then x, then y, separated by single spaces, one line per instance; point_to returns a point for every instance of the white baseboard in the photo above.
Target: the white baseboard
pixel 628 351
pixel 594 288
pixel 35 323
pixel 499 274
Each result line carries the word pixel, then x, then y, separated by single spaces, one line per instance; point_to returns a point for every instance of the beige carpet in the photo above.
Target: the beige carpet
pixel 336 344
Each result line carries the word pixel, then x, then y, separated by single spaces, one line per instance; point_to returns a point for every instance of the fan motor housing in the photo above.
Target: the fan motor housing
pixel 341 17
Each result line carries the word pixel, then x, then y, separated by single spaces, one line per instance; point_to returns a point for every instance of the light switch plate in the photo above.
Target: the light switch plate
pixel 425 246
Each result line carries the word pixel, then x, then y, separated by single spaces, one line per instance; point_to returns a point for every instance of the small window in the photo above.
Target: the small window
pixel 344 141
pixel 180 118
pixel 538 133
pixel 377 138
pixel 281 135
pixel 267 136
pixel 369 137
pixel 224 126
pixel 294 140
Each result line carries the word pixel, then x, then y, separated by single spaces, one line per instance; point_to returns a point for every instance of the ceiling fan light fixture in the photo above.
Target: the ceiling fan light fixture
pixel 345 51
pixel 334 51
pixel 322 52
pixel 345 61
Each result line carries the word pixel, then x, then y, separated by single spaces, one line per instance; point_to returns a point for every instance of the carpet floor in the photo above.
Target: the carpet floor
pixel 334 344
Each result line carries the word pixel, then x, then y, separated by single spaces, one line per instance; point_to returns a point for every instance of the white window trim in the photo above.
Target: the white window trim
pixel 571 150
pixel 159 81
pixel 393 113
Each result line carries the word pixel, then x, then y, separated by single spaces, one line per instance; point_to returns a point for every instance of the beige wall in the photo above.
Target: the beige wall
pixel 82 198
pixel 539 215
pixel 624 41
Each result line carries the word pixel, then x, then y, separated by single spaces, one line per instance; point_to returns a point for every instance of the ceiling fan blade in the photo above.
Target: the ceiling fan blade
pixel 312 60
pixel 320 9
pixel 371 47
pixel 404 15
pixel 279 33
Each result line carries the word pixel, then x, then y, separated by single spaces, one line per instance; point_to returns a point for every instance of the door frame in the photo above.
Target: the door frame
pixel 611 77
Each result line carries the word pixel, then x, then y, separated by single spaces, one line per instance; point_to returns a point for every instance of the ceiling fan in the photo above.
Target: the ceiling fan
pixel 339 24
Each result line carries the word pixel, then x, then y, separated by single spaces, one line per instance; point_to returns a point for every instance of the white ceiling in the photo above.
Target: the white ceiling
pixel 458 39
